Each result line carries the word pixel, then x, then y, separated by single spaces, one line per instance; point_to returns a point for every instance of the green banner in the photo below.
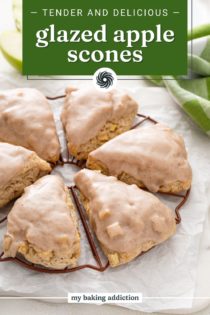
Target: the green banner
pixel 135 37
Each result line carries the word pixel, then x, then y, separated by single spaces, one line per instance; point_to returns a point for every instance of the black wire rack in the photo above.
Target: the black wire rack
pixel 99 265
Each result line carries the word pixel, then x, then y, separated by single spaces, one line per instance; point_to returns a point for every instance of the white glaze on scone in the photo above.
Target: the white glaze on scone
pixel 26 119
pixel 19 168
pixel 41 217
pixel 12 161
pixel 154 155
pixel 87 110
pixel 123 216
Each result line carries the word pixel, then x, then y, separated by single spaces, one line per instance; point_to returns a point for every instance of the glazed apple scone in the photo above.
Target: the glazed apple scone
pixel 26 119
pixel 42 225
pixel 126 220
pixel 91 117
pixel 19 168
pixel 154 157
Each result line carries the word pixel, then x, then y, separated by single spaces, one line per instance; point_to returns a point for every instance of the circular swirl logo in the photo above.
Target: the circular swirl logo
pixel 105 79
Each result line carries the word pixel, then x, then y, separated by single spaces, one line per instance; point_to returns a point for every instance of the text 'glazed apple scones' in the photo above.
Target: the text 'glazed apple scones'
pixel 42 225
pixel 19 168
pixel 127 220
pixel 91 117
pixel 154 157
pixel 26 119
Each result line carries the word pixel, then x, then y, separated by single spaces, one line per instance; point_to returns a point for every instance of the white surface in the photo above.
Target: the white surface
pixel 165 261
pixel 23 307
pixel 40 308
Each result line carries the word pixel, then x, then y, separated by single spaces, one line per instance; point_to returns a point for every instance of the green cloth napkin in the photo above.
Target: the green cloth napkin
pixel 193 95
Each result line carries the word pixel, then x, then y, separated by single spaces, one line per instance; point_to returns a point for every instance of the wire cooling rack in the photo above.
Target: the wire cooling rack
pixel 99 265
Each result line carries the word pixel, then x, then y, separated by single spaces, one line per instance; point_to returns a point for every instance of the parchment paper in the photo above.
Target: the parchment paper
pixel 167 274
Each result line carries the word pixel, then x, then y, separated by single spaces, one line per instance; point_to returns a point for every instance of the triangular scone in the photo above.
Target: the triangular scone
pixel 26 119
pixel 127 220
pixel 91 117
pixel 42 225
pixel 19 168
pixel 154 157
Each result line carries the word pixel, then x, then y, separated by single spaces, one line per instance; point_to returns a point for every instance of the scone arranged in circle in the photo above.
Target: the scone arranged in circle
pixel 91 117
pixel 19 168
pixel 26 119
pixel 42 225
pixel 127 220
pixel 154 157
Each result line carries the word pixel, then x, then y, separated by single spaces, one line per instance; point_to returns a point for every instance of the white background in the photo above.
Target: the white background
pixel 201 15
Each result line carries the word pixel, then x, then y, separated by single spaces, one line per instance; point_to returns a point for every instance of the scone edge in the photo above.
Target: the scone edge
pixel 175 187
pixel 110 130
pixel 34 169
